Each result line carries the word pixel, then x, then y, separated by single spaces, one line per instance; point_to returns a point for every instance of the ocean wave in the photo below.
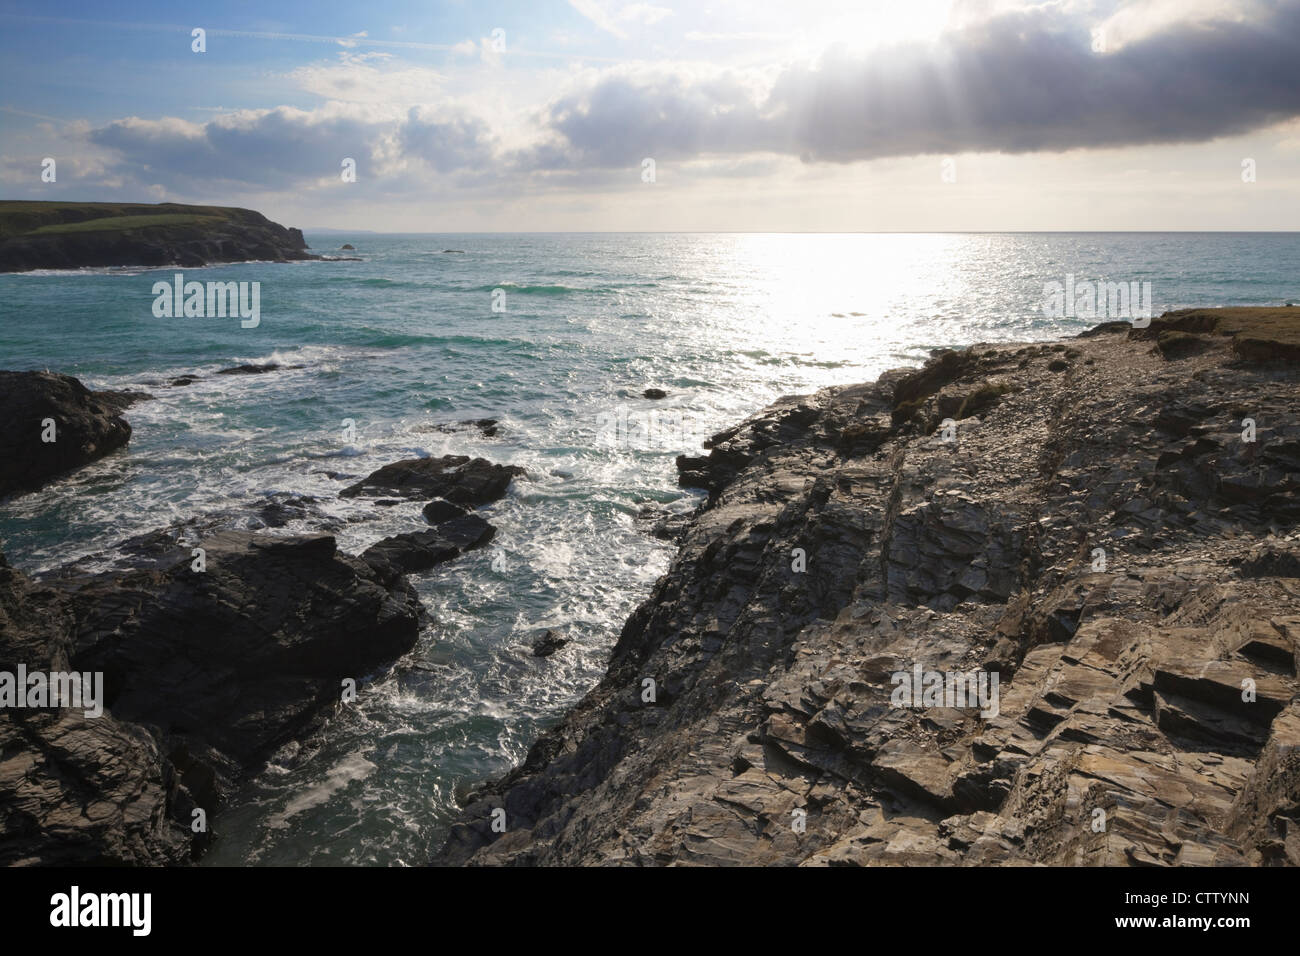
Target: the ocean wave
pixel 534 289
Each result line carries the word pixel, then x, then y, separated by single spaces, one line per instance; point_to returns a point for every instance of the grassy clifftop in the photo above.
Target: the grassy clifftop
pixel 1259 333
pixel 69 235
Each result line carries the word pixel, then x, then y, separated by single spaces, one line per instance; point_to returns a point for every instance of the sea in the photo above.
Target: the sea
pixel 556 336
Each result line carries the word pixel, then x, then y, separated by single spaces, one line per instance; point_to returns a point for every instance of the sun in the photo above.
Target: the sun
pixel 883 23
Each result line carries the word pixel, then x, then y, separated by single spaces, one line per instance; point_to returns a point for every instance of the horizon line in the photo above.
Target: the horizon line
pixel 798 232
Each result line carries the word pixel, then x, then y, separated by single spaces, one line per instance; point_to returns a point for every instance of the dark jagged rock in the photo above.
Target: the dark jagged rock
pixel 1106 538
pixel 59 235
pixel 654 393
pixel 206 673
pixel 420 550
pixel 254 369
pixel 548 644
pixel 664 524
pixel 348 247
pixel 281 510
pixel 455 478
pixel 86 426
pixel 438 511
pixel 122 400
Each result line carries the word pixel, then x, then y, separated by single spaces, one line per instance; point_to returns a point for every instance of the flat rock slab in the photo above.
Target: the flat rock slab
pixel 465 481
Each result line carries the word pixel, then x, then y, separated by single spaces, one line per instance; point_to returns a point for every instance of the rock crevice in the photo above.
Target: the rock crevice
pixel 1100 533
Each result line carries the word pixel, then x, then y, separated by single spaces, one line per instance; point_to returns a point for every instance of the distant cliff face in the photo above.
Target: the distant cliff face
pixel 1108 526
pixel 51 235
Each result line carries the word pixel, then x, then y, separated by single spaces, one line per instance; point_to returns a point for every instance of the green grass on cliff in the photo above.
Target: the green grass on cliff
pixel 19 218
pixel 1266 323
pixel 1258 333
pixel 116 223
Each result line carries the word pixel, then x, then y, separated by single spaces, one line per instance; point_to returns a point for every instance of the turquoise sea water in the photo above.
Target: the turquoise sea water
pixel 407 338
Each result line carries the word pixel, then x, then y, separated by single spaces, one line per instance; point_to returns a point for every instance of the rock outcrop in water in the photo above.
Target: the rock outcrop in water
pixel 1111 532
pixel 420 550
pixel 455 478
pixel 206 673
pixel 455 483
pixel 63 235
pixel 52 424
pixel 211 659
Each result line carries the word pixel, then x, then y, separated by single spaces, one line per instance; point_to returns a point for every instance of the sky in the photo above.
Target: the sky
pixel 658 115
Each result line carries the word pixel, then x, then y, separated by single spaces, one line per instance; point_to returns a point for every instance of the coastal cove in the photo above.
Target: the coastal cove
pixel 246 432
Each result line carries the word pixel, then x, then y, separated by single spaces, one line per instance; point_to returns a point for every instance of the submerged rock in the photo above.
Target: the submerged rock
pixel 255 369
pixel 548 644
pixel 487 426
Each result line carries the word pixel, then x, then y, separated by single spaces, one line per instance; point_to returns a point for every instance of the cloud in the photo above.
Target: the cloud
pixel 284 147
pixel 446 144
pixel 1023 81
pixel 628 115
pixel 593 11
pixel 646 13
pixel 747 36
pixel 356 79
pixel 1138 19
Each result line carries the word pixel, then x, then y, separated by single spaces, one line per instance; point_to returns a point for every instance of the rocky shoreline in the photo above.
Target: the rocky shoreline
pixel 212 642
pixel 1105 524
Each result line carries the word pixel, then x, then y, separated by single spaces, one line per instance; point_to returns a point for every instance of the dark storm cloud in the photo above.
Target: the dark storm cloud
pixel 1023 82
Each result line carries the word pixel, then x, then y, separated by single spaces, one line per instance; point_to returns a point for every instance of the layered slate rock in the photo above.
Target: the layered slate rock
pixel 1099 534
pixel 85 426
pixel 206 673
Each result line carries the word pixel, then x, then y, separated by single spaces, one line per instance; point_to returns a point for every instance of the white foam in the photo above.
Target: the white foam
pixel 350 769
